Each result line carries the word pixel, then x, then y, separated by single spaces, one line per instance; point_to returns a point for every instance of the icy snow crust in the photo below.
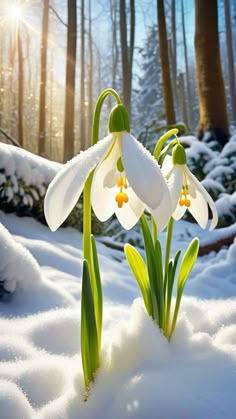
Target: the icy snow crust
pixel 142 376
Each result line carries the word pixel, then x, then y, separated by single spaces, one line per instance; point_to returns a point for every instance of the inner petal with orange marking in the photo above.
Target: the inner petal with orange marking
pixel 184 197
pixel 121 197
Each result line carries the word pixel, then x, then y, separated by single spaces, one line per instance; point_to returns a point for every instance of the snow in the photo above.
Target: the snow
pixel 27 166
pixel 142 375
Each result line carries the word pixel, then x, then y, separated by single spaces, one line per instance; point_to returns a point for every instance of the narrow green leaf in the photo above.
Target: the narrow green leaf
pixel 161 142
pixel 97 291
pixel 159 288
pixel 186 266
pixel 150 258
pixel 139 269
pixel 169 286
pixel 187 263
pixel 89 339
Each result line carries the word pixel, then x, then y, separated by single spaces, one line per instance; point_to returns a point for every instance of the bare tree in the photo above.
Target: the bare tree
pixel 115 49
pixel 90 74
pixel 1 81
pixel 211 94
pixel 42 94
pixel 70 81
pixel 82 77
pixel 165 68
pixel 127 49
pixel 188 84
pixel 20 89
pixel 230 55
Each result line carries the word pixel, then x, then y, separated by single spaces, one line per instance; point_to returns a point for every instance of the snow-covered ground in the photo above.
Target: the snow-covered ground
pixel 142 375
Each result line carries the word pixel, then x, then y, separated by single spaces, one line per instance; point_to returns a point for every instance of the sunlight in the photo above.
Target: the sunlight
pixel 15 12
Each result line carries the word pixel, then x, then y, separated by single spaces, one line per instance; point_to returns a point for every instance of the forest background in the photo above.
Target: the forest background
pixel 56 57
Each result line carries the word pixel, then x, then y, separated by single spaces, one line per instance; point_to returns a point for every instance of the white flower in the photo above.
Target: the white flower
pixel 126 180
pixel 186 191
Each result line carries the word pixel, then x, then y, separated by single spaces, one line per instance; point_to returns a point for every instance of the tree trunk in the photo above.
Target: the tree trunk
pixel 127 50
pixel 182 100
pixel 188 85
pixel 82 77
pixel 230 59
pixel 20 89
pixel 42 94
pixel 70 81
pixel 115 51
pixel 211 94
pixel 2 95
pixel 90 77
pixel 165 68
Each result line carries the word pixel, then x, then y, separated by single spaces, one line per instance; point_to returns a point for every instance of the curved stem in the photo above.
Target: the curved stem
pixel 87 187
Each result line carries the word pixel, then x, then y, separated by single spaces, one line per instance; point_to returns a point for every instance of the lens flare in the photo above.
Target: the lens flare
pixel 15 12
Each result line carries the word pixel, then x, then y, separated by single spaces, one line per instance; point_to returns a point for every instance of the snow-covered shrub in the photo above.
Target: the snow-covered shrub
pixel 217 170
pixel 24 178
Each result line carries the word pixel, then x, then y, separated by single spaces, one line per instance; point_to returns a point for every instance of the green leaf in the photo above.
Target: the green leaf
pixel 139 269
pixel 89 338
pixel 187 263
pixel 97 291
pixel 150 258
pixel 186 266
pixel 169 286
pixel 159 288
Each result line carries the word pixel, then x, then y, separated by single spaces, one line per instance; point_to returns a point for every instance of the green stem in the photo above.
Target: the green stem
pixel 87 187
pixel 166 269
pixel 154 230
pixel 168 244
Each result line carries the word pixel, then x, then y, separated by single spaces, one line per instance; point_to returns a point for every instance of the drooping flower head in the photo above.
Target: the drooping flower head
pixel 186 191
pixel 125 181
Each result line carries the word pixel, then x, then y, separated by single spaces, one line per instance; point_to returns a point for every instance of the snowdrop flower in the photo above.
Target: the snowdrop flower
pixel 126 178
pixel 186 191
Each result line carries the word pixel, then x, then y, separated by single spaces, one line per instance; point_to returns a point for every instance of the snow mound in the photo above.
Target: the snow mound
pixel 13 402
pixel 18 268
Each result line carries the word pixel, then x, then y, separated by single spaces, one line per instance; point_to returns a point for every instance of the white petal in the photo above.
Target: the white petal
pixel 110 178
pixel 202 191
pixel 179 212
pixel 175 183
pixel 65 189
pixel 163 213
pixel 167 166
pixel 142 171
pixel 199 209
pixel 130 213
pixel 103 190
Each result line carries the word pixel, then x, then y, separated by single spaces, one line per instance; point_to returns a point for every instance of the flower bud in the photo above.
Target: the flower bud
pixel 179 155
pixel 118 119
